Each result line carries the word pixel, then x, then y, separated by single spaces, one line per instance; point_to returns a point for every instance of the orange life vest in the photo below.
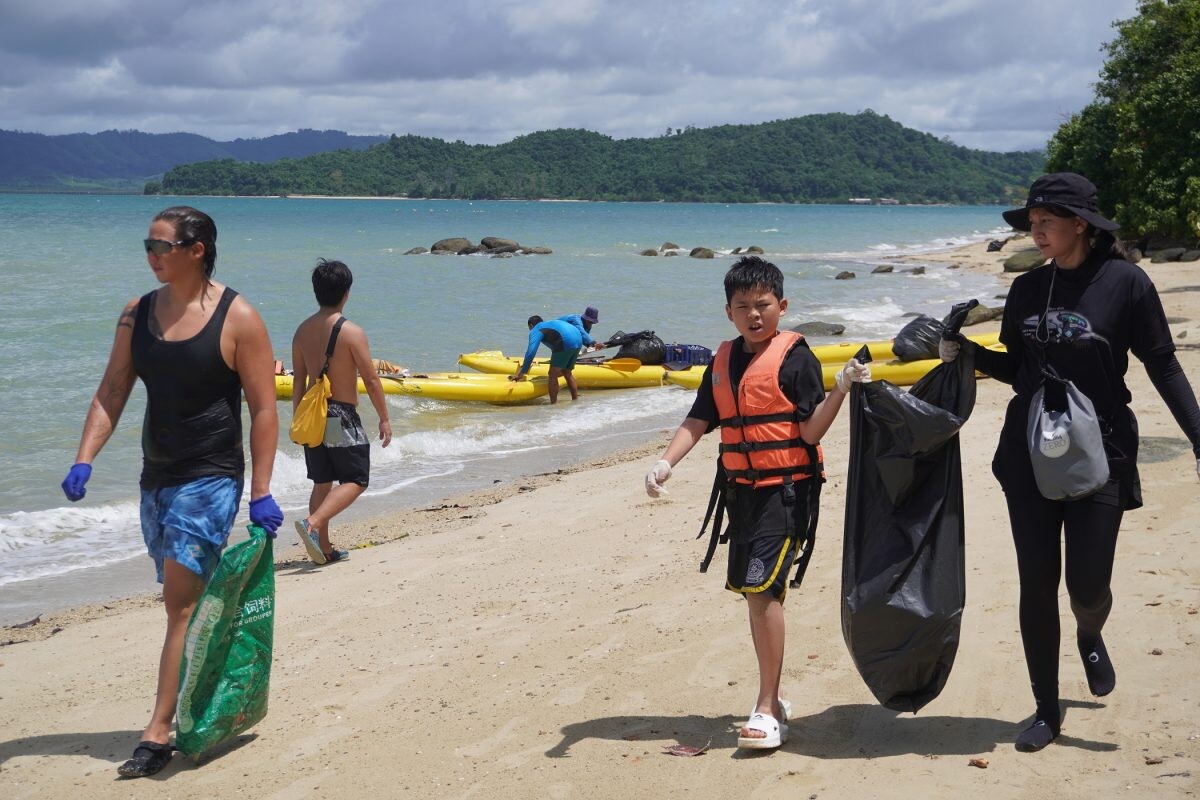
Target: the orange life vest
pixel 760 434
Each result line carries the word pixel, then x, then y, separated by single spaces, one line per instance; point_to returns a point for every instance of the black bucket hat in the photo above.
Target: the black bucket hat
pixel 1066 190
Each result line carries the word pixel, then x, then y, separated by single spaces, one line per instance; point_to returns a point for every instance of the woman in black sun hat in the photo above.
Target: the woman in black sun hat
pixel 1082 315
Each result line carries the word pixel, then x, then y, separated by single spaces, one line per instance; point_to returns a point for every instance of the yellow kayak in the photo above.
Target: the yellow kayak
pixel 900 373
pixel 470 386
pixel 617 373
pixel 283 387
pixel 882 350
pixel 456 386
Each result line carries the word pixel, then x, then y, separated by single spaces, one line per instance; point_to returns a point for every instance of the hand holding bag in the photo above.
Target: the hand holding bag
pixel 1066 444
pixel 308 423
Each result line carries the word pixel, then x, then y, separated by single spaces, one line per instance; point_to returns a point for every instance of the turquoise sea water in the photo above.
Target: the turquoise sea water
pixel 70 262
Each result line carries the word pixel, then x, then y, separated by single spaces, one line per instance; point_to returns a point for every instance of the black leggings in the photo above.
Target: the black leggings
pixel 1091 541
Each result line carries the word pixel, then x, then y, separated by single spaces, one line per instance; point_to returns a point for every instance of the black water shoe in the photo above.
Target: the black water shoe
pixel 1101 676
pixel 1036 736
pixel 1047 721
pixel 148 758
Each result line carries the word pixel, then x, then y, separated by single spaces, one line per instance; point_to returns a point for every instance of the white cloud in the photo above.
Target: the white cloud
pixel 989 75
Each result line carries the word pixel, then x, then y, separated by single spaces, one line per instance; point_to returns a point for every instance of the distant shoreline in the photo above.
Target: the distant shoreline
pixel 492 199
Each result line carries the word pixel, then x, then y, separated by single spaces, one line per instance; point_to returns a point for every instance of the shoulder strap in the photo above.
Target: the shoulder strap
pixel 141 315
pixel 337 327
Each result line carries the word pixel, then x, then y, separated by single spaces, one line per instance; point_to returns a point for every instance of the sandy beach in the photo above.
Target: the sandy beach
pixel 548 638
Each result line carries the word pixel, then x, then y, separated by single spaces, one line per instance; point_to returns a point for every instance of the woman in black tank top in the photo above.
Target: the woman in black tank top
pixel 197 346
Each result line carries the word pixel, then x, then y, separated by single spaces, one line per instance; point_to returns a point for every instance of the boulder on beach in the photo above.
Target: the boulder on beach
pixel 736 251
pixel 670 253
pixel 820 328
pixel 1167 254
pixel 669 246
pixel 1024 260
pixel 882 269
pixel 455 244
pixel 843 276
pixel 754 249
pixel 916 271
pixel 982 313
pixel 493 242
pixel 701 252
pixel 536 251
pixel 648 252
pixel 1190 255
pixel 415 251
pixel 502 248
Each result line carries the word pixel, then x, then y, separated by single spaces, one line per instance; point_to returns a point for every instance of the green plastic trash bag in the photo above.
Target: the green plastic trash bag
pixel 226 668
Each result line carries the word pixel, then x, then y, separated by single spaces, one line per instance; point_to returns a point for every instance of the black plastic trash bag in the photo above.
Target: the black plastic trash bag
pixel 918 339
pixel 645 346
pixel 903 572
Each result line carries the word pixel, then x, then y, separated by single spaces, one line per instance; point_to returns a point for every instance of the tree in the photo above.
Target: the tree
pixel 1139 141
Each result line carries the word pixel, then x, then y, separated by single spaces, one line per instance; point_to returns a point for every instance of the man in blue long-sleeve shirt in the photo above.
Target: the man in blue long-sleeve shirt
pixel 564 336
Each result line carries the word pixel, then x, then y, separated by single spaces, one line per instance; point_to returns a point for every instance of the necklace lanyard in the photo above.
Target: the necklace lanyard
pixel 1039 337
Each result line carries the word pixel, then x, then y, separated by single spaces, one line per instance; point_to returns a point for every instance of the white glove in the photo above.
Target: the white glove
pixel 853 372
pixel 656 477
pixel 948 349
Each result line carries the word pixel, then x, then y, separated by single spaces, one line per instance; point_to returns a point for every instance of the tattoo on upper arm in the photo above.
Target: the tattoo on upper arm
pixel 127 318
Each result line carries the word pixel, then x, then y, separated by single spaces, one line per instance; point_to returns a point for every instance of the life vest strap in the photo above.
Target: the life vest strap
pixel 753 475
pixel 750 447
pixel 742 420
pixel 809 537
pixel 716 503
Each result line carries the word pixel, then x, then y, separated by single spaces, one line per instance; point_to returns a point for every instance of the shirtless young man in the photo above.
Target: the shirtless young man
pixel 345 454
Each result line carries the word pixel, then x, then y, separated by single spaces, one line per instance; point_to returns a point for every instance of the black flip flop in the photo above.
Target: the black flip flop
pixel 148 758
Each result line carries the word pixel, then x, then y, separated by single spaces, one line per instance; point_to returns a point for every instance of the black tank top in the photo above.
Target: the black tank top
pixel 193 424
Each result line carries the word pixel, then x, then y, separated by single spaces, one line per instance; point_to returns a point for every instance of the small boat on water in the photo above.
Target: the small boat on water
pixel 613 373
pixel 475 387
pixel 454 386
pixel 283 387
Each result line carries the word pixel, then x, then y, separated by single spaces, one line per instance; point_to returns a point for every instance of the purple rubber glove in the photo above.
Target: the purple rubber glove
pixel 265 513
pixel 73 485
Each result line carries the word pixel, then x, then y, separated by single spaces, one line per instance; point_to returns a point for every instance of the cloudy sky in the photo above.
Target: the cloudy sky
pixel 987 74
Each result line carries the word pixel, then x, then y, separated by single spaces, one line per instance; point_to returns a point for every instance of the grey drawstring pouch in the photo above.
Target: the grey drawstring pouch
pixel 1066 445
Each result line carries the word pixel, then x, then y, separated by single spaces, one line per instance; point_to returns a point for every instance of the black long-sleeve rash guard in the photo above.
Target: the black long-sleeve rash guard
pixel 1099 313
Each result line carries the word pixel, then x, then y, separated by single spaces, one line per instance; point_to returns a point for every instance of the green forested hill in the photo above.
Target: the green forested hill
pixel 817 158
pixel 124 160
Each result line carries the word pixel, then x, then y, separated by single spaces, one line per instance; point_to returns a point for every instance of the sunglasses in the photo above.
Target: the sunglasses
pixel 160 247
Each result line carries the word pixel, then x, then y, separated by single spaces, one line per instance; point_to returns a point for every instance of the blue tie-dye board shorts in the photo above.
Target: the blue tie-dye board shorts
pixel 190 523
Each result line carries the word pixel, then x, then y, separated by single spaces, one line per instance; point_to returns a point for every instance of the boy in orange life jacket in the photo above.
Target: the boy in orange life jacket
pixel 765 390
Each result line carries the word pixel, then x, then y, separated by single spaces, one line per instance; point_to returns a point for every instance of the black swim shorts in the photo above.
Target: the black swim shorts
pixel 761 565
pixel 345 454
pixel 766 533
